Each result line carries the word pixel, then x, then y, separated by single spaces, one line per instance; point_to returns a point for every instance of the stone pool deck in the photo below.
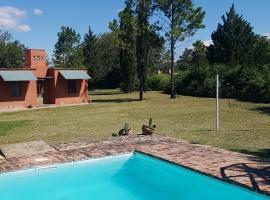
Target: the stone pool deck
pixel 248 171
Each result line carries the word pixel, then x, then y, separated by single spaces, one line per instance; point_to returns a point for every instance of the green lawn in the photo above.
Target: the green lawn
pixel 245 127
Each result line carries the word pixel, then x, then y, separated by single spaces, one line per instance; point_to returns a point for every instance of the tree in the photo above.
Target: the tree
pixel 199 55
pixel 68 50
pixel 127 42
pixel 89 50
pixel 233 41
pixel 156 49
pixel 105 69
pixel 142 42
pixel 183 21
pixel 185 60
pixel 262 51
pixel 5 36
pixel 11 52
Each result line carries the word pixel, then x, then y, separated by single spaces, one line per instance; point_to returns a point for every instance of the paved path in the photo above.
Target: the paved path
pixel 25 149
pixel 248 171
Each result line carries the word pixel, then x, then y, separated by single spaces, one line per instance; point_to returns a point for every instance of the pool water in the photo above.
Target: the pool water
pixel 126 177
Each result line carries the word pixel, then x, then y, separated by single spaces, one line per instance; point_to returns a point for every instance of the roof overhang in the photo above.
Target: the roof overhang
pixel 18 75
pixel 74 74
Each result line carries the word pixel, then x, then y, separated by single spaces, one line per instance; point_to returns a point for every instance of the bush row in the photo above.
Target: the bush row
pixel 248 82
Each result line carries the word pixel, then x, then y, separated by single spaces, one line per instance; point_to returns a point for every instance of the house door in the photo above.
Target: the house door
pixel 40 91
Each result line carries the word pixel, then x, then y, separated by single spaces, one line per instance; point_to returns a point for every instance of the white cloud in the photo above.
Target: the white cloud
pixel 37 11
pixel 10 18
pixel 23 28
pixel 208 43
pixel 267 35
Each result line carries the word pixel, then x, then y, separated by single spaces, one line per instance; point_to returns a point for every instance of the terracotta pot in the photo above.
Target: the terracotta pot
pixel 129 131
pixel 146 130
pixel 122 132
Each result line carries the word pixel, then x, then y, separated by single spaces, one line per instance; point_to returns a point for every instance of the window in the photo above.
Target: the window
pixel 15 89
pixel 38 58
pixel 71 86
pixel 34 57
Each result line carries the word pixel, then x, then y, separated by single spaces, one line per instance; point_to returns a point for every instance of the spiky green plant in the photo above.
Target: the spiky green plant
pixel 151 125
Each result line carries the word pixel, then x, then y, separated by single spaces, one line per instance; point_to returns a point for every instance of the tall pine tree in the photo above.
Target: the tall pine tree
pixel 127 40
pixel 181 20
pixel 89 50
pixel 233 41
pixel 143 10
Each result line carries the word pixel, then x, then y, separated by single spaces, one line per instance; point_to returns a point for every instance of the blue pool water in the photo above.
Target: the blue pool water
pixel 126 177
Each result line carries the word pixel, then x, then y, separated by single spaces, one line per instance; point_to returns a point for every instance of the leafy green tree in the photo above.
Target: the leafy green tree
pixel 156 49
pixel 89 50
pixel 68 50
pixel 181 20
pixel 185 60
pixel 165 61
pixel 11 52
pixel 143 11
pixel 5 36
pixel 127 42
pixel 114 26
pixel 106 67
pixel 233 41
pixel 262 51
pixel 199 55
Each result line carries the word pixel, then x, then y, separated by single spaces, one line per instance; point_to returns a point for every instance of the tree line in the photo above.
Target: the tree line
pixel 237 54
pixel 144 38
pixel 11 51
pixel 134 47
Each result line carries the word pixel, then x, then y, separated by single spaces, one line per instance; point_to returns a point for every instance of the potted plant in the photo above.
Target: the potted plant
pixel 125 131
pixel 149 130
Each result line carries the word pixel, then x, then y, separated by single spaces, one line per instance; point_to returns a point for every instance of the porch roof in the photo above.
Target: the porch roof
pixel 74 74
pixel 18 75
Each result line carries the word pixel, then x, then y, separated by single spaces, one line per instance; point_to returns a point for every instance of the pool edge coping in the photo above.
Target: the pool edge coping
pixel 69 162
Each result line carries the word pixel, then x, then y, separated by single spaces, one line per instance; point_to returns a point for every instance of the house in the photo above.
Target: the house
pixel 36 84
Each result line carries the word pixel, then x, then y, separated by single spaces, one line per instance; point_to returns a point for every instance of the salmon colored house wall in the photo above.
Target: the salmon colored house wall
pixel 36 59
pixel 54 85
pixel 56 91
pixel 28 96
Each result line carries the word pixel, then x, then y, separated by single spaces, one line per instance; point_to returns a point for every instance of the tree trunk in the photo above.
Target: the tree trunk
pixel 140 65
pixel 173 96
pixel 141 92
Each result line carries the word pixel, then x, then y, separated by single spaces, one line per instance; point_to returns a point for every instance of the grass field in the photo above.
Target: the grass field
pixel 245 127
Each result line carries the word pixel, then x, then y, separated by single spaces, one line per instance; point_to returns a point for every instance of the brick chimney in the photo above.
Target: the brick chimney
pixel 36 59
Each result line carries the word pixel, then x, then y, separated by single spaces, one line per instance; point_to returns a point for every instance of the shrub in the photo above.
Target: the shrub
pixel 158 82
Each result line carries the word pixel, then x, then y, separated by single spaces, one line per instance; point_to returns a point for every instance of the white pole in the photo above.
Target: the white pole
pixel 217 104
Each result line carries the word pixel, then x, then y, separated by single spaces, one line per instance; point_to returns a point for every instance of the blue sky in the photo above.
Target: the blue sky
pixel 36 22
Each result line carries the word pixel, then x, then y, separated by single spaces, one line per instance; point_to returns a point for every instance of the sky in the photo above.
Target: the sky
pixel 36 22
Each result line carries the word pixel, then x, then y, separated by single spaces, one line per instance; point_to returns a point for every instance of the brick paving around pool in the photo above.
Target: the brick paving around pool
pixel 249 171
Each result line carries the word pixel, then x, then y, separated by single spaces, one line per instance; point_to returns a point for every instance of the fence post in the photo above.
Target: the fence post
pixel 217 103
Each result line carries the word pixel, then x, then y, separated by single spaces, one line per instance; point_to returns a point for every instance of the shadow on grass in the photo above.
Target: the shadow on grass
pixel 263 110
pixel 6 126
pixel 262 153
pixel 225 130
pixel 114 100
pixel 105 93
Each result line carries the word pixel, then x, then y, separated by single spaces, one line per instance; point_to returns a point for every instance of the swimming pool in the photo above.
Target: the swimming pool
pixel 125 177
